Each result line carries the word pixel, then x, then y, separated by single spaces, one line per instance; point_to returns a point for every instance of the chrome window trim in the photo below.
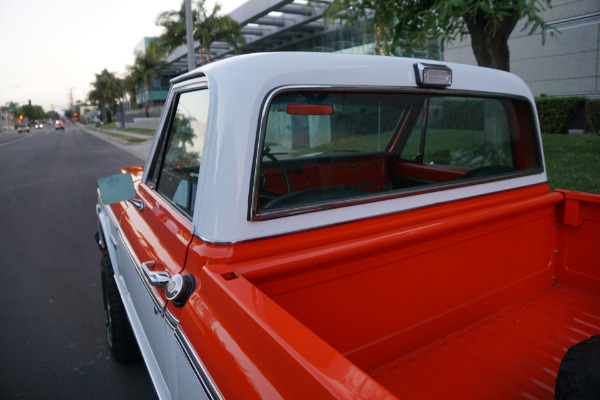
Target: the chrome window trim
pixel 210 389
pixel 254 215
pixel 162 138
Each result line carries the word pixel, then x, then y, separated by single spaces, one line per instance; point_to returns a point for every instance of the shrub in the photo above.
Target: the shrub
pixel 593 115
pixel 555 113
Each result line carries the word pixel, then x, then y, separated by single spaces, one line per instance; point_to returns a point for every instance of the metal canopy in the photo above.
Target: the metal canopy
pixel 267 25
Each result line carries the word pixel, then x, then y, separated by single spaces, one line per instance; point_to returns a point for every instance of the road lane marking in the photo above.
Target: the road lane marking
pixel 15 141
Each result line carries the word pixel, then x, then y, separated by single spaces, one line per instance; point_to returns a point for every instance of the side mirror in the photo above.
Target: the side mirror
pixel 116 188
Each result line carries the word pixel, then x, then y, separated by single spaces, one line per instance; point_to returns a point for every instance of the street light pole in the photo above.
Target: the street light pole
pixel 189 30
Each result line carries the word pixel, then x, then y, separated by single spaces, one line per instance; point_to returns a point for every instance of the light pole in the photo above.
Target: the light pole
pixel 189 30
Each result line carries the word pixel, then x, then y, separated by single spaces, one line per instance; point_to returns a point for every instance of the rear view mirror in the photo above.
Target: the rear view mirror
pixel 116 188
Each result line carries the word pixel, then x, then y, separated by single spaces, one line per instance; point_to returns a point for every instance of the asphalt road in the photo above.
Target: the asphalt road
pixel 52 334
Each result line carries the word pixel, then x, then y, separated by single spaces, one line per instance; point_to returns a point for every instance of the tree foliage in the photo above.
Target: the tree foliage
pixel 208 27
pixel 147 67
pixel 107 89
pixel 403 26
pixel 31 112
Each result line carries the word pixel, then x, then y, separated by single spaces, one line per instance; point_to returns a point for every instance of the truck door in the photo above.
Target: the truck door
pixel 157 225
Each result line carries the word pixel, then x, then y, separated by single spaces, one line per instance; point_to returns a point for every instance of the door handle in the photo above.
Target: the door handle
pixel 157 279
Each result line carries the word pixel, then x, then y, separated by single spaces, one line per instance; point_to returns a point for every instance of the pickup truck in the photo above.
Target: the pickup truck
pixel 313 225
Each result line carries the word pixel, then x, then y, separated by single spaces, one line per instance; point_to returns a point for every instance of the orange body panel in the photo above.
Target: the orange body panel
pixel 319 314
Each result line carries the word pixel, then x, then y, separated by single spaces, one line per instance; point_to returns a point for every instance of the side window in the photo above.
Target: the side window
pixel 178 172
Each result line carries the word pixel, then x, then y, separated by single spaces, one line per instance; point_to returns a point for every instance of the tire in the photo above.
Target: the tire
pixel 120 338
pixel 579 373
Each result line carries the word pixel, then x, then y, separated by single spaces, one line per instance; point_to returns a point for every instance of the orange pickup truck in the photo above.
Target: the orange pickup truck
pixel 355 227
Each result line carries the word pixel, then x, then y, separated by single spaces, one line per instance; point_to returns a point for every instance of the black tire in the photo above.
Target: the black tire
pixel 579 373
pixel 119 335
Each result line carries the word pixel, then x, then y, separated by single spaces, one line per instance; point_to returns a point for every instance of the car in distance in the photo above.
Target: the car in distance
pixel 59 125
pixel 23 128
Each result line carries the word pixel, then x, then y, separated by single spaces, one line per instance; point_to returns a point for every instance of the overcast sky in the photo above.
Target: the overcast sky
pixel 48 47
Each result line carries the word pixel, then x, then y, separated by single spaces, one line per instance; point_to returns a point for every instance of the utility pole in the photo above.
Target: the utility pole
pixel 189 30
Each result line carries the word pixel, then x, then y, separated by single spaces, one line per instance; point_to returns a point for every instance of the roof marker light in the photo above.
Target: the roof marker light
pixel 433 75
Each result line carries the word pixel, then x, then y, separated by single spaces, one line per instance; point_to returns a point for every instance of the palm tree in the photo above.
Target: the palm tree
pixel 173 23
pixel 208 28
pixel 211 28
pixel 147 67
pixel 106 89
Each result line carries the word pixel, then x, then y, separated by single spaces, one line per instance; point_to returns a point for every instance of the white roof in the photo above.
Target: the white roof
pixel 238 88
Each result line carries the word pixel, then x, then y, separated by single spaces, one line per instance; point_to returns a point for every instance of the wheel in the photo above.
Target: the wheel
pixel 579 373
pixel 119 335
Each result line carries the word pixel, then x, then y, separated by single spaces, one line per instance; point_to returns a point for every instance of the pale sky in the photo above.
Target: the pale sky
pixel 48 48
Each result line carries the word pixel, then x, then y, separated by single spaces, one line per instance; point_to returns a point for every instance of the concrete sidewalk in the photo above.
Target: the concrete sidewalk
pixel 139 150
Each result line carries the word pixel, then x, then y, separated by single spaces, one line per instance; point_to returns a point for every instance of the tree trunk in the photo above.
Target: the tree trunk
pixel 103 110
pixel 150 92
pixel 491 47
pixel 201 54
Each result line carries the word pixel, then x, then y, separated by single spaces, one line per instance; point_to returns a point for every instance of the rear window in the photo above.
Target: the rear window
pixel 324 149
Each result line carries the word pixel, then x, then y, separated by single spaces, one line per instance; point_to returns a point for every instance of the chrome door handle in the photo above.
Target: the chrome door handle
pixel 137 203
pixel 156 279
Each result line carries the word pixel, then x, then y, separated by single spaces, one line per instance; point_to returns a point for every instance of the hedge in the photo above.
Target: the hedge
pixel 593 112
pixel 555 113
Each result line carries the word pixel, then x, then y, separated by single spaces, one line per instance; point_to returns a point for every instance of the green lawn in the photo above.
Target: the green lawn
pixel 113 125
pixel 573 162
pixel 129 139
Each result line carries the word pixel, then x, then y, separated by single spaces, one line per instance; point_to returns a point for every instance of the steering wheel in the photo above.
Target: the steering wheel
pixel 267 153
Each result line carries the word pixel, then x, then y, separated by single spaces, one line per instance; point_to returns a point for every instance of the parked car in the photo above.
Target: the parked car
pixel 59 125
pixel 352 227
pixel 23 128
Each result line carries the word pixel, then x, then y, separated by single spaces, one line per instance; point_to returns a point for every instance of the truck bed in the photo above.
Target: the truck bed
pixel 480 303
pixel 456 301
pixel 505 355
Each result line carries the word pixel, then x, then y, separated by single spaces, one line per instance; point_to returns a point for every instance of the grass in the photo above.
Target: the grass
pixel 573 162
pixel 129 139
pixel 113 125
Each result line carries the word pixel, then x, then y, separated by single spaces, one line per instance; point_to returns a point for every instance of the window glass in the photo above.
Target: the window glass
pixel 303 124
pixel 178 175
pixel 467 133
pixel 333 148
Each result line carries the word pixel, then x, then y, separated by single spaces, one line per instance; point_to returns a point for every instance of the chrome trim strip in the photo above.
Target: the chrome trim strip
pixel 199 369
pixel 156 299
pixel 150 361
pixel 172 321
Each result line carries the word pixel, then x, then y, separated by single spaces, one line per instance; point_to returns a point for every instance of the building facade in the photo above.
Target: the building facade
pixel 567 64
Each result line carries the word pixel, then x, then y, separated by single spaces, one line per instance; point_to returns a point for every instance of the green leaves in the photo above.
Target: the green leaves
pixel 403 27
pixel 209 27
